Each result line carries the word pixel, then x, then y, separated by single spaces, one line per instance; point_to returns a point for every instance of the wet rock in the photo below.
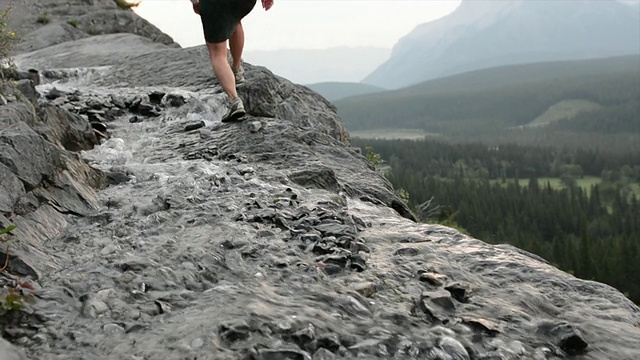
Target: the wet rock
pixel 54 94
pixel 459 291
pixel 66 129
pixel 190 260
pixel 118 101
pixel 329 342
pixel 437 305
pixel 132 263
pixel 321 178
pixel 17 75
pixel 305 338
pixel 566 336
pixel 432 278
pixel 11 189
pixel 323 354
pixel 109 249
pixel 117 177
pixel 353 305
pixel 366 346
pixel 113 329
pixel 100 127
pixel 358 262
pixel 197 343
pixel 10 352
pixel 487 326
pixel 94 307
pixel 234 331
pixel 145 109
pixel 453 348
pixel 282 354
pixel 359 246
pixel 406 252
pixel 163 307
pixel 366 289
pixel 332 269
pixel 174 100
pixel 61 102
pixel 266 233
pixel 310 237
pixel 255 126
pixel 194 126
pixel 96 104
pixel 323 248
pixel 56 181
pixel 337 259
pixel 156 97
pixel 27 89
pixel 334 229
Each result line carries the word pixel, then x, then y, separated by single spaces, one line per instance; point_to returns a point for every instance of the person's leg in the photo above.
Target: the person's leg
pixel 224 74
pixel 221 68
pixel 236 44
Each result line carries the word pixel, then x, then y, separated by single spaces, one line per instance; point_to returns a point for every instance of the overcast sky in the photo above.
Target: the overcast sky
pixel 306 24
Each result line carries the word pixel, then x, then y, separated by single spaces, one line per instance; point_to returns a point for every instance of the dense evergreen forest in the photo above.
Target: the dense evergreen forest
pixel 504 194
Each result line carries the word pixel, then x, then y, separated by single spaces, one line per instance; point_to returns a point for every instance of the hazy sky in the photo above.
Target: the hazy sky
pixel 306 24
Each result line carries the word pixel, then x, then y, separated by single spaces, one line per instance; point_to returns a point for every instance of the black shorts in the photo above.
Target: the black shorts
pixel 220 17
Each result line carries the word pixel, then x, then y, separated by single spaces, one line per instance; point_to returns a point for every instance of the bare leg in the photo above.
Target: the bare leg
pixel 236 44
pixel 218 56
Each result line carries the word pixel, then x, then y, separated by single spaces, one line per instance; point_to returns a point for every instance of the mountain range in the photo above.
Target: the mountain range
pixel 598 95
pixel 308 66
pixel 483 34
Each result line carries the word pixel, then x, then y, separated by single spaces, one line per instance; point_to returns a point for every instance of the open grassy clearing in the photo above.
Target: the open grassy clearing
pixel 565 109
pixel 585 183
pixel 391 134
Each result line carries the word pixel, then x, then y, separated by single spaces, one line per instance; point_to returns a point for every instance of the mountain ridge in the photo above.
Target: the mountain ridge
pixel 339 90
pixel 483 99
pixel 481 34
pixel 306 66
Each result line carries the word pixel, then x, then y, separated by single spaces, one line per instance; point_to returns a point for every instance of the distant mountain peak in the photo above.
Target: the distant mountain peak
pixel 481 34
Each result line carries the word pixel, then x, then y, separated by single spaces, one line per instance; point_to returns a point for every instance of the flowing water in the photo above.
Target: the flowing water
pixel 199 253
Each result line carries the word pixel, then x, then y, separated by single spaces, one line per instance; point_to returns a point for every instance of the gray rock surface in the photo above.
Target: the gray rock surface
pixel 269 238
pixel 42 23
pixel 41 179
pixel 10 352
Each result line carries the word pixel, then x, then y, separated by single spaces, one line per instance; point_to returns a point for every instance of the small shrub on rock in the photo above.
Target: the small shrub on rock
pixel 127 4
pixel 7 39
pixel 43 19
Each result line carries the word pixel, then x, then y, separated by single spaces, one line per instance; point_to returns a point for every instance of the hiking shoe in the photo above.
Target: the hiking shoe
pixel 236 110
pixel 239 74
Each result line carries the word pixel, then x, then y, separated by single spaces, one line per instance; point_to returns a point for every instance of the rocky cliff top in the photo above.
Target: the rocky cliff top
pixel 42 23
pixel 148 229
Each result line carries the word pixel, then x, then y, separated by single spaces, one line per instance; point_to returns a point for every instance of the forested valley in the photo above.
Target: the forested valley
pixel 578 208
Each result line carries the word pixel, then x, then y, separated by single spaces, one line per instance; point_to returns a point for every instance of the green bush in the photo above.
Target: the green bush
pixel 127 4
pixel 7 39
pixel 9 229
pixel 373 157
pixel 73 23
pixel 43 18
pixel 403 194
pixel 15 295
